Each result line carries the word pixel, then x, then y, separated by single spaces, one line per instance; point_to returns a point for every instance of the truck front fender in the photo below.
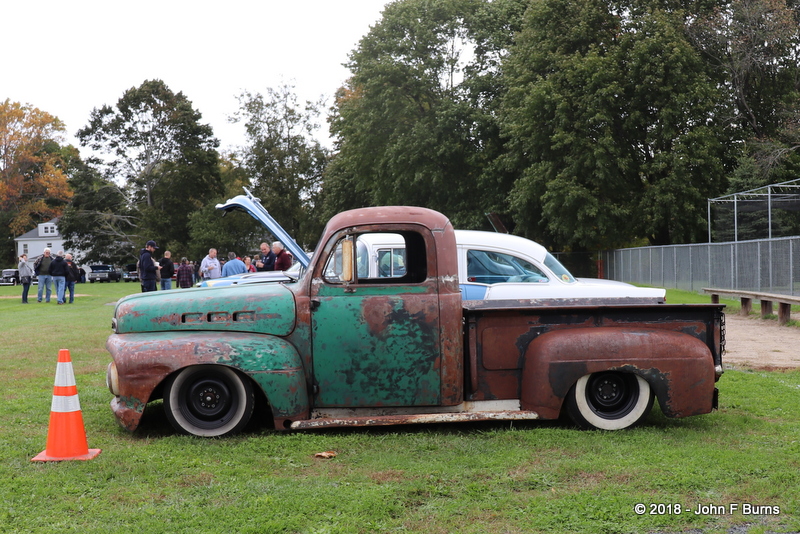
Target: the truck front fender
pixel 143 361
pixel 678 366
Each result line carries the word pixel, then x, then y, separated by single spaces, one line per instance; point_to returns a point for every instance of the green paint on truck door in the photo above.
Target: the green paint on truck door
pixel 376 343
pixel 372 350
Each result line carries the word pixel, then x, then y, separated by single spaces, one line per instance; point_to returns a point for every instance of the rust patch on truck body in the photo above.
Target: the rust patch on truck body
pixel 537 354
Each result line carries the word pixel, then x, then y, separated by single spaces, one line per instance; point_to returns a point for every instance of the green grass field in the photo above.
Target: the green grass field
pixel 472 478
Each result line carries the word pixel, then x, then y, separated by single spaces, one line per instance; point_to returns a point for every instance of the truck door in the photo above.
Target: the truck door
pixel 376 339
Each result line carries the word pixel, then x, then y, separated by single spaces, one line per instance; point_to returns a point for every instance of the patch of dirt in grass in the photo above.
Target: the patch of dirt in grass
pixel 760 344
pixel 391 475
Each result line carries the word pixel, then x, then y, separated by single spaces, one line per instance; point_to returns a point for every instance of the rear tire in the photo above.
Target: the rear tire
pixel 609 400
pixel 208 401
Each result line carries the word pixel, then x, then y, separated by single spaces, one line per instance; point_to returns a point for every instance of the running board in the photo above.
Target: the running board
pixel 381 420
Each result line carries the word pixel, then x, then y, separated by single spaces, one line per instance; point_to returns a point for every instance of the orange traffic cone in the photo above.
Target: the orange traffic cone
pixel 66 437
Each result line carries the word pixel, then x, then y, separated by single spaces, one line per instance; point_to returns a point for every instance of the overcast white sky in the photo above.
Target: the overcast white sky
pixel 69 57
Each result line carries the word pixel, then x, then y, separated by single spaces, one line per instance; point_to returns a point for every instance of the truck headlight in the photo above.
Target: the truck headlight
pixel 112 379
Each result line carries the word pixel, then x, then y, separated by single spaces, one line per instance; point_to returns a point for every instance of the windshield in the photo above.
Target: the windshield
pixel 554 265
pixel 100 268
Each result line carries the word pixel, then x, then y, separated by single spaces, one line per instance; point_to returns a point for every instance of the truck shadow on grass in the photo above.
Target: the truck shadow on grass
pixel 155 425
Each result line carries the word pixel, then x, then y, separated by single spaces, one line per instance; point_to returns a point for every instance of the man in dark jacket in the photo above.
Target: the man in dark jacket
pixel 73 275
pixel 42 269
pixel 167 270
pixel 266 260
pixel 58 270
pixel 283 260
pixel 148 267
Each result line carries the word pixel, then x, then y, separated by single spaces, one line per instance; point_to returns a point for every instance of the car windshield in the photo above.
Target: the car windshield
pixel 554 265
pixel 100 268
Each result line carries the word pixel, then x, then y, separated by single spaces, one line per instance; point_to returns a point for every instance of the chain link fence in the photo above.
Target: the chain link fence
pixel 771 265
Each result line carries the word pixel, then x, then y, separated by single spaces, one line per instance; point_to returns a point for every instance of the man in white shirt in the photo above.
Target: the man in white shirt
pixel 210 268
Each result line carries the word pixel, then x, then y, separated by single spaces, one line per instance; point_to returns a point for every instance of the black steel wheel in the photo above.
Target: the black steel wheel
pixel 609 400
pixel 208 401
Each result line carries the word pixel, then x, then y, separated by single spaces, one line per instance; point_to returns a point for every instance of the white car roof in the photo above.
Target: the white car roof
pixel 507 242
pixel 472 238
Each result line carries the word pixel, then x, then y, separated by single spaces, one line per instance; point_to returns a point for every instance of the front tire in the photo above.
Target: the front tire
pixel 208 401
pixel 609 401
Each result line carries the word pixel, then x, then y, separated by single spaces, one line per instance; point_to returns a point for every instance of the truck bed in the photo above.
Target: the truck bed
pixel 500 337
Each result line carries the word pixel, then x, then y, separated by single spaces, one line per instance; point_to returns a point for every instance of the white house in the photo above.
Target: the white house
pixel 45 235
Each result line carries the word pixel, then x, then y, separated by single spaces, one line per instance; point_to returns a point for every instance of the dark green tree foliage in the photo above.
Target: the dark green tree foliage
pixel 754 47
pixel 612 121
pixel 98 222
pixel 164 157
pixel 283 160
pixel 236 231
pixel 415 124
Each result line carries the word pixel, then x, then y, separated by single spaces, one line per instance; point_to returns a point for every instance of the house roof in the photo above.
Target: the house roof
pixel 34 234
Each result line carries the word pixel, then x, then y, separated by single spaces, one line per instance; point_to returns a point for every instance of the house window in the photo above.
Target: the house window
pixel 25 248
pixel 50 230
pixel 49 245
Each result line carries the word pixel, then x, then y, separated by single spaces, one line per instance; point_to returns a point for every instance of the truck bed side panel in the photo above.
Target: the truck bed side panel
pixel 499 346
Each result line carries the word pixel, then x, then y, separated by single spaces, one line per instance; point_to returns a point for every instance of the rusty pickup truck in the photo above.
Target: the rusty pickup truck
pixel 334 349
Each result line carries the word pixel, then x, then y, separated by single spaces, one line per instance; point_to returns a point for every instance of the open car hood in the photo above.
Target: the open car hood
pixel 252 205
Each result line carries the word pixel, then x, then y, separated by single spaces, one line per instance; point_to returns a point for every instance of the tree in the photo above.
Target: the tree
pixel 417 121
pixel 283 160
pixel 98 221
pixel 611 120
pixel 236 231
pixel 754 48
pixel 164 159
pixel 33 182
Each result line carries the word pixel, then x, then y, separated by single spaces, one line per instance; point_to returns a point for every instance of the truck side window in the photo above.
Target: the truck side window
pixel 403 261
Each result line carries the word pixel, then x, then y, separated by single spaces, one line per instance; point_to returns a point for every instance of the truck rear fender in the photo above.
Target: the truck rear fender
pixel 147 360
pixel 679 367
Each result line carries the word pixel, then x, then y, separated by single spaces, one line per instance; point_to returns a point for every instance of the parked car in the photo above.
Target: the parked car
pixel 289 275
pixel 10 277
pixel 104 273
pixel 130 274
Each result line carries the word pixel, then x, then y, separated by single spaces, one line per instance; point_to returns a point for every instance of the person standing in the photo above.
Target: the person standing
pixel 266 261
pixel 283 260
pixel 42 269
pixel 25 276
pixel 210 267
pixel 58 270
pixel 148 267
pixel 167 270
pixel 248 264
pixel 185 274
pixel 233 266
pixel 73 275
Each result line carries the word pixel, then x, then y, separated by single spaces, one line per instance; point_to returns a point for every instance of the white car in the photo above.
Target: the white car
pixel 491 266
pixel 289 275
